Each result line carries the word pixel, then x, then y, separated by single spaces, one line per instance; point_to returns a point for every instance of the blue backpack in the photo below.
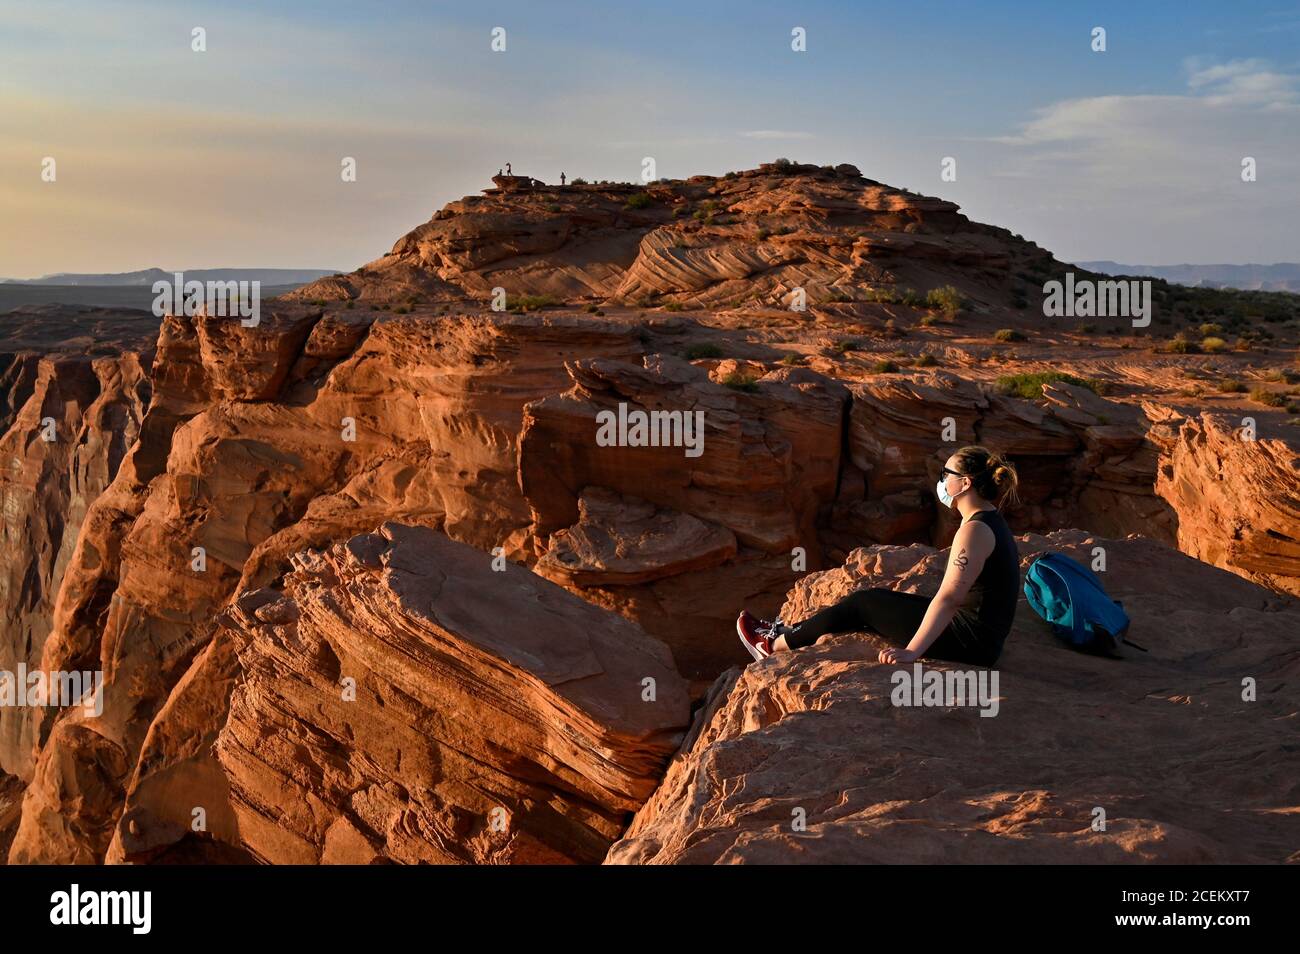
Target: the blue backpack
pixel 1070 597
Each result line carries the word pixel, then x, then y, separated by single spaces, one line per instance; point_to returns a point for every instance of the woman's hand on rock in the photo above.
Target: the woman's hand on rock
pixel 894 655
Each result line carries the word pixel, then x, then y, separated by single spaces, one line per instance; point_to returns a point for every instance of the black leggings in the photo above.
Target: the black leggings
pixel 895 616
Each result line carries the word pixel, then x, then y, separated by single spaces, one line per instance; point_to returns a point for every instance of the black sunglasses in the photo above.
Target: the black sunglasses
pixel 943 471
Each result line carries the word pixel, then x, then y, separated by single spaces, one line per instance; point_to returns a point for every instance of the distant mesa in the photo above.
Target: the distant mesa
pixel 1283 276
pixel 147 276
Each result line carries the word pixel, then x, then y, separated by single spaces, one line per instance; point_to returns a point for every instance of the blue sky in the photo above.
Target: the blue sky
pixel 231 157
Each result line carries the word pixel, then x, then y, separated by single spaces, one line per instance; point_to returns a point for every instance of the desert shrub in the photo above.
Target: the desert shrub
pixel 673 306
pixel 741 382
pixel 1230 386
pixel 846 345
pixel 783 165
pixel 532 302
pixel 639 201
pixel 885 367
pixel 1009 334
pixel 1030 384
pixel 698 351
pixel 791 358
pixel 578 181
pixel 947 300
pixel 592 309
pixel 1266 397
pixel 909 297
pixel 838 294
pixel 1213 345
pixel 927 320
pixel 1210 328
pixel 1179 344
pixel 402 310
pixel 927 360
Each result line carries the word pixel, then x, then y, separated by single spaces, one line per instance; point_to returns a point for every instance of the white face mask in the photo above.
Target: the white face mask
pixel 941 491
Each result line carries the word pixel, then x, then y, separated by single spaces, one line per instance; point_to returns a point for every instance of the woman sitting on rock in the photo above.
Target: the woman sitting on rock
pixel 983 565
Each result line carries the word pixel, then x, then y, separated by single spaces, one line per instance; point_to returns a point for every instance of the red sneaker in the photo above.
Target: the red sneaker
pixel 754 636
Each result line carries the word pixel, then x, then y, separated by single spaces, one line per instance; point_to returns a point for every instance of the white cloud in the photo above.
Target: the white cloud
pixel 1242 82
pixel 1155 177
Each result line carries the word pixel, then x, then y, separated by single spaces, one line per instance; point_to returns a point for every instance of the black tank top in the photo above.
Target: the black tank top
pixel 991 604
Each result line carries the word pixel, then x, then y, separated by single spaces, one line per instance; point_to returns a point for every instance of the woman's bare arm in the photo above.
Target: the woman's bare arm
pixel 970 548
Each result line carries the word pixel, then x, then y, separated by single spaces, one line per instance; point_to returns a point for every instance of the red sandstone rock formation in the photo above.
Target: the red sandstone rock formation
pixel 804 758
pixel 476 692
pixel 710 241
pixel 1237 494
pixel 193 483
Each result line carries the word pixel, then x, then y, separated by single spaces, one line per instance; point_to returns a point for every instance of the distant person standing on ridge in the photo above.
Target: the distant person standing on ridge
pixel 982 563
pixel 508 172
pixel 561 178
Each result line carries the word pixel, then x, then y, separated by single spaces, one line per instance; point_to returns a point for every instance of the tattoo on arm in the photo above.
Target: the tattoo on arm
pixel 961 560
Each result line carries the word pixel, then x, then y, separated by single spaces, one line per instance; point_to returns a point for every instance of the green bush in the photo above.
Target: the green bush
pixel 532 302
pixel 927 360
pixel 698 351
pixel 1179 344
pixel 1213 345
pixel 1009 334
pixel 884 367
pixel 1266 397
pixel 1030 385
pixel 947 300
pixel 639 201
pixel 741 382
pixel 1231 386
